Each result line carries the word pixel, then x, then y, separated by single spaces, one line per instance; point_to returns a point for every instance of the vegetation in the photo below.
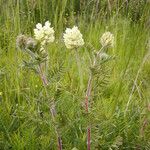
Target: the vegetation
pixel 119 102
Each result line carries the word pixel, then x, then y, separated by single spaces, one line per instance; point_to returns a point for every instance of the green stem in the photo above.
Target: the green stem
pixel 79 69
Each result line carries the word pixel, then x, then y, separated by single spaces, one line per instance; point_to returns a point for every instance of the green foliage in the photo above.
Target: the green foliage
pixel 25 120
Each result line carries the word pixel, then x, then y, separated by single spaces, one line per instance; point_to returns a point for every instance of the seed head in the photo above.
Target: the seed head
pixel 21 41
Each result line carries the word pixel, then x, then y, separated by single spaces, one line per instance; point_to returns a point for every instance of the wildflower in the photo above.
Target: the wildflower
pixel 107 39
pixel 39 32
pixel 44 34
pixel 1 93
pixel 21 41
pixel 73 38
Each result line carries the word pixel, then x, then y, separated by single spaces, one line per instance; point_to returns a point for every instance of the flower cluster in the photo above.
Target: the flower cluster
pixel 107 39
pixel 44 34
pixel 73 38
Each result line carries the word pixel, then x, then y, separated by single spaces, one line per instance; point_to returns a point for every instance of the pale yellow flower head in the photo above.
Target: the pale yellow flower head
pixel 73 38
pixel 44 34
pixel 107 39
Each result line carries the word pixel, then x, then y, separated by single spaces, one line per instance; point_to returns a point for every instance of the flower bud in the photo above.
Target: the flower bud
pixel 21 41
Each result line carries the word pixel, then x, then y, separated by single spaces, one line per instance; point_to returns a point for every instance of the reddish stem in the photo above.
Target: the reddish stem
pixel 88 94
pixel 86 104
pixel 52 109
pixel 59 143
pixel 88 138
pixel 43 77
pixel 44 80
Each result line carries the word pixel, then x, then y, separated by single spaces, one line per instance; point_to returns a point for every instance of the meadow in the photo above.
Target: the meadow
pixel 81 100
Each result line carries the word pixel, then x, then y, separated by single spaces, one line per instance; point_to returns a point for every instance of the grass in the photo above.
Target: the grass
pixel 25 120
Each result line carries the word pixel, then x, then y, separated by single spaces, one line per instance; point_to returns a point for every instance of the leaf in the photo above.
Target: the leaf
pixel 56 72
pixel 118 142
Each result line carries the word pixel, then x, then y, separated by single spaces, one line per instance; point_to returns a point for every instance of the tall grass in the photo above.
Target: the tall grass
pixel 25 121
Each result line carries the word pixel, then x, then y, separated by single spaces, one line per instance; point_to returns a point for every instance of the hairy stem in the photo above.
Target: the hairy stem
pixel 89 138
pixel 88 94
pixel 87 98
pixel 52 106
pixel 43 76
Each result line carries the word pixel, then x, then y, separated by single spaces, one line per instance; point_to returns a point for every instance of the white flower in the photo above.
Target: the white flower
pixel 73 38
pixel 44 34
pixel 39 34
pixel 39 26
pixel 107 39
